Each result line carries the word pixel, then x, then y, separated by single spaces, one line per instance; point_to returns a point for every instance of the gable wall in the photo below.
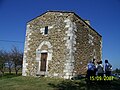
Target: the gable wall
pixel 57 37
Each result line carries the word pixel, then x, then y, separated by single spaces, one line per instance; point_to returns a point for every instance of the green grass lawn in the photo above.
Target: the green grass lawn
pixel 13 82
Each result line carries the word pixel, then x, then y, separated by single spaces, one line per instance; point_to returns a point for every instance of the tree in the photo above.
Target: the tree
pixel 17 58
pixel 2 60
pixel 9 62
pixel 117 70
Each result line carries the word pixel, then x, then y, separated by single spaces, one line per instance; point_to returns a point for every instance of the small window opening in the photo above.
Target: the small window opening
pixel 46 30
pixel 69 38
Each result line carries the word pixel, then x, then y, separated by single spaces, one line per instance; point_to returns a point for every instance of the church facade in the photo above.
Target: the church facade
pixel 59 44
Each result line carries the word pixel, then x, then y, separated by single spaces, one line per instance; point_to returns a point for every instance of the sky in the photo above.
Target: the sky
pixel 104 16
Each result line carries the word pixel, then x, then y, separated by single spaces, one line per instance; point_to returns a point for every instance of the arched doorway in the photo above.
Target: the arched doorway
pixel 43 56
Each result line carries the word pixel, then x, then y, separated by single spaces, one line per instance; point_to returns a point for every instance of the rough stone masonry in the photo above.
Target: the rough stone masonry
pixel 59 44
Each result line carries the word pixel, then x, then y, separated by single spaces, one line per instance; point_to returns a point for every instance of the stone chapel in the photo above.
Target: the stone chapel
pixel 59 44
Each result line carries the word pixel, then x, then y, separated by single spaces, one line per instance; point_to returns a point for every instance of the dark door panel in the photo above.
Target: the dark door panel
pixel 43 61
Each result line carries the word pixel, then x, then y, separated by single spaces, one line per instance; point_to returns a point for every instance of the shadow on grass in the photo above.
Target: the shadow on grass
pixel 83 85
pixel 103 85
pixel 68 85
pixel 7 75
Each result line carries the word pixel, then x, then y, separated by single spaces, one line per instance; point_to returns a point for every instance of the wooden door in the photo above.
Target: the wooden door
pixel 43 61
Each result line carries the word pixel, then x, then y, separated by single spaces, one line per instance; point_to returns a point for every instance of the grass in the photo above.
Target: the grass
pixel 13 82
pixel 17 82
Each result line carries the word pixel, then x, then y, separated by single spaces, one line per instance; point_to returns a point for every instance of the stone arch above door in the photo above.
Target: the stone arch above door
pixel 40 49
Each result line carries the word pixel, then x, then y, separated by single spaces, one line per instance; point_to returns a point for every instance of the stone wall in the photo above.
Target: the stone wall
pixel 88 46
pixel 56 36
pixel 70 44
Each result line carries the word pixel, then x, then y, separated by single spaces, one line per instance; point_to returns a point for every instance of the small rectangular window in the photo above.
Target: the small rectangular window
pixel 69 38
pixel 46 30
